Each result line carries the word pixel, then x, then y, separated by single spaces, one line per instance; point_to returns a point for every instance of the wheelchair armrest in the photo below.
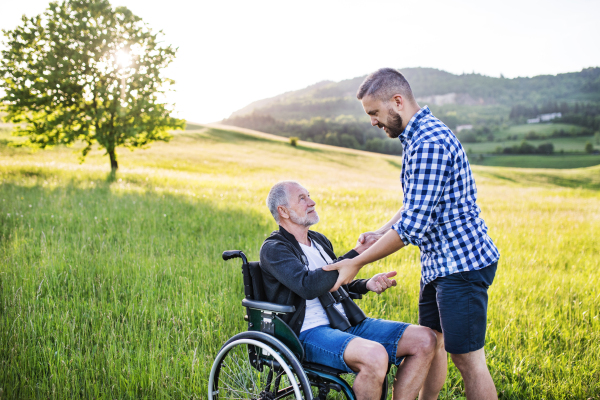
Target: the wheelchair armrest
pixel 266 306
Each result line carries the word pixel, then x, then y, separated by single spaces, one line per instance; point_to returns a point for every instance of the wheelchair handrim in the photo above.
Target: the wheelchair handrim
pixel 223 352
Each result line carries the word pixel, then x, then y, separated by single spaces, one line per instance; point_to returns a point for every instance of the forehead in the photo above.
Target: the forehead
pixel 295 191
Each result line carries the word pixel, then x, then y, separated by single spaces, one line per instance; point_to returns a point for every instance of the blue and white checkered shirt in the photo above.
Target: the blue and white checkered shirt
pixel 440 211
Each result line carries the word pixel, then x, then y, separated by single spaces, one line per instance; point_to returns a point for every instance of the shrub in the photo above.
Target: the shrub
pixel 589 147
pixel 467 137
pixel 294 141
pixel 349 141
pixel 332 139
pixel 545 148
pixel 532 135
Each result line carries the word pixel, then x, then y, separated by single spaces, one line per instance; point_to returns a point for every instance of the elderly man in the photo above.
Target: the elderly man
pixel 440 215
pixel 292 259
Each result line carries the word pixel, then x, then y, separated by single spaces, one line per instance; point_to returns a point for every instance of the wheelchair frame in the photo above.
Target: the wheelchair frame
pixel 271 343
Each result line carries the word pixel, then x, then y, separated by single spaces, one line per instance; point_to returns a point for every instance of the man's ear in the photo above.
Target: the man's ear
pixel 283 213
pixel 398 101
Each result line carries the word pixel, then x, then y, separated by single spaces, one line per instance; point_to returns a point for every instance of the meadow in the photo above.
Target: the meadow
pixel 112 287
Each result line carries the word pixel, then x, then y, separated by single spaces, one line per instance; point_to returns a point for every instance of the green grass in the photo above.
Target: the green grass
pixel 115 289
pixel 538 161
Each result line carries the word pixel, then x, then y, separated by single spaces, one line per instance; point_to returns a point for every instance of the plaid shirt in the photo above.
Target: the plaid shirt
pixel 440 211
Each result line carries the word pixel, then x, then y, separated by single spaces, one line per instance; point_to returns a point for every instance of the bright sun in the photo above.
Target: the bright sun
pixel 123 58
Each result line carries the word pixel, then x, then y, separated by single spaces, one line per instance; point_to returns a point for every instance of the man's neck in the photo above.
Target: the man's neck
pixel 298 231
pixel 411 109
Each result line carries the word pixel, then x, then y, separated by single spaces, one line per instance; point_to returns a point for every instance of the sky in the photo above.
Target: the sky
pixel 232 53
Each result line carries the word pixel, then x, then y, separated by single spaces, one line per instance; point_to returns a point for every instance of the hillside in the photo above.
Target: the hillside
pixel 328 112
pixel 436 88
pixel 113 287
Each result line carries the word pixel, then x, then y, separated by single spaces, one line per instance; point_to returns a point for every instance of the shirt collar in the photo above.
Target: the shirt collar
pixel 413 125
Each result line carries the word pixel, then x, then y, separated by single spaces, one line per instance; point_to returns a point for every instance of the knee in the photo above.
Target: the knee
pixel 469 362
pixel 428 342
pixel 460 362
pixel 376 362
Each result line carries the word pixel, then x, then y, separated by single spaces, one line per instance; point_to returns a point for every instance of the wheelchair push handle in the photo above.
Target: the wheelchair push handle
pixel 229 254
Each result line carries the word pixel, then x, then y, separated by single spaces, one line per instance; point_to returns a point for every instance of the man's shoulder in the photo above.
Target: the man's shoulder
pixel 434 133
pixel 275 239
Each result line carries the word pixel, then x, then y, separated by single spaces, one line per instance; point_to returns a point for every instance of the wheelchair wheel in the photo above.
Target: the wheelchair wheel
pixel 256 366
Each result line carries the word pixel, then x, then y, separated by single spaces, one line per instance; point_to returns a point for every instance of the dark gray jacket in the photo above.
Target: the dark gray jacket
pixel 286 279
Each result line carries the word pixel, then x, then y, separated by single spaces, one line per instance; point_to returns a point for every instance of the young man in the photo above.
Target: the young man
pixel 292 259
pixel 440 215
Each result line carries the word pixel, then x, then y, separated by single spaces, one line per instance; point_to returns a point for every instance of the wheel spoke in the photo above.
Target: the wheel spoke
pixel 238 378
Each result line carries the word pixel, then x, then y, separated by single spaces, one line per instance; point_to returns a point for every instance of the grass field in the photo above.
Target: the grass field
pixel 113 288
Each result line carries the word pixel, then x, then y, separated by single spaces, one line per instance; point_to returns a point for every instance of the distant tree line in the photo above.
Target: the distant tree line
pixel 560 133
pixel 527 148
pixel 582 114
pixel 344 131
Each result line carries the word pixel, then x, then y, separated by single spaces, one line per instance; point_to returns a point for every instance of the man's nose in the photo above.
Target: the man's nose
pixel 311 203
pixel 374 121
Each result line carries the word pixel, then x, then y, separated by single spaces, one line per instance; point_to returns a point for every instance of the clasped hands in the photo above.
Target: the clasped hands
pixel 348 268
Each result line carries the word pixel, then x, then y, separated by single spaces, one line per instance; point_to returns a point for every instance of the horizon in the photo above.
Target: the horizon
pixel 232 54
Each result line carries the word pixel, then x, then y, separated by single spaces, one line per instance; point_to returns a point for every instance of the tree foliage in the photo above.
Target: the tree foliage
pixel 83 71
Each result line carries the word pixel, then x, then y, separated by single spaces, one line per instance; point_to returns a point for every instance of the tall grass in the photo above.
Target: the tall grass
pixel 114 288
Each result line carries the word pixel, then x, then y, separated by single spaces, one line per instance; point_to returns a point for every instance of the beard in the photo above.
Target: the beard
pixel 394 127
pixel 307 220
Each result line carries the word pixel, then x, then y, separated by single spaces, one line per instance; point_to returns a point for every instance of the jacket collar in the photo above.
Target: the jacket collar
pixel 313 236
pixel 413 125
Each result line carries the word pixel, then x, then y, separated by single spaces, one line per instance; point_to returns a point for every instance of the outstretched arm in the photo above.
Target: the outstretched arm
pixel 388 244
pixel 375 235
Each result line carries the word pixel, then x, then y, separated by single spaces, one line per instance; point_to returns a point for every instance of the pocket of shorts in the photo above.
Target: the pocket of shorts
pixel 465 276
pixel 474 277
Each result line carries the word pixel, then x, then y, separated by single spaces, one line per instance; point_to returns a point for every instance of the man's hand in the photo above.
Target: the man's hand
pixel 365 241
pixel 347 270
pixel 381 282
pixel 368 237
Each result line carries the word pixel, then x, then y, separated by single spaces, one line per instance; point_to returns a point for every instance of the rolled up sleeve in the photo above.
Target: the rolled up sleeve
pixel 428 170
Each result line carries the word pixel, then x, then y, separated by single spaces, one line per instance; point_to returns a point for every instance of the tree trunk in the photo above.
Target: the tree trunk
pixel 113 160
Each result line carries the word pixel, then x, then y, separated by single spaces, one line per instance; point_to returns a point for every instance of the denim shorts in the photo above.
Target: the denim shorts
pixel 325 345
pixel 456 306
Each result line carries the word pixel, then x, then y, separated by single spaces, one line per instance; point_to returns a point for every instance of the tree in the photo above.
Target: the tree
pixel 83 71
pixel 589 147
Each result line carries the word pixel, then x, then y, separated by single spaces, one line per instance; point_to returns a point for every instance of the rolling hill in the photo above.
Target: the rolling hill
pixel 328 112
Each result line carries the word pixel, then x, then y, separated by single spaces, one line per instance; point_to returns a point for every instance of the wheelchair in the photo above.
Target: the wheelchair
pixel 267 361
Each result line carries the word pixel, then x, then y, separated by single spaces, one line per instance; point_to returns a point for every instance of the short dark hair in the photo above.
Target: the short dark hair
pixel 385 83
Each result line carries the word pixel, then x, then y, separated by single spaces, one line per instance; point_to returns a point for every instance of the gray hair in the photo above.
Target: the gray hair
pixel 383 84
pixel 278 196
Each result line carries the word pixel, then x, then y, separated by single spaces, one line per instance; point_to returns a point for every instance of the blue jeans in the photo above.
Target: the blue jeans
pixel 325 345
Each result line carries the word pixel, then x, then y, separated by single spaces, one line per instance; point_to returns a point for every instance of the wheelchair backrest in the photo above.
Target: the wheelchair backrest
pixel 253 282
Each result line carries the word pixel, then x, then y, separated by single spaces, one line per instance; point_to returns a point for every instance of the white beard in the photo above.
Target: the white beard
pixel 307 220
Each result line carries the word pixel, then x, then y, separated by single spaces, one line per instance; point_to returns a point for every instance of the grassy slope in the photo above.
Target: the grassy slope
pixel 115 289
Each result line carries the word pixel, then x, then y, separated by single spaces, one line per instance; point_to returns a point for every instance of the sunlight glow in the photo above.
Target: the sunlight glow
pixel 123 58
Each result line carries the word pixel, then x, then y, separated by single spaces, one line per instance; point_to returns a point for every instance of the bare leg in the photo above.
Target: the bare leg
pixel 370 360
pixel 437 372
pixel 475 374
pixel 418 345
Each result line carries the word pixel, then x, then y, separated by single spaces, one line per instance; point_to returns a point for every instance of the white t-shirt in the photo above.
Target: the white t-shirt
pixel 315 313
